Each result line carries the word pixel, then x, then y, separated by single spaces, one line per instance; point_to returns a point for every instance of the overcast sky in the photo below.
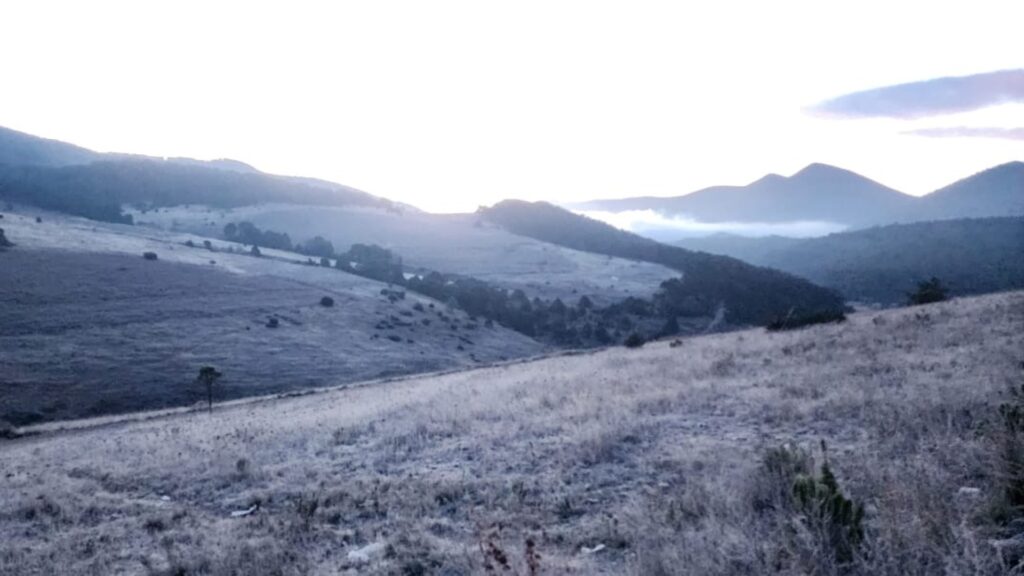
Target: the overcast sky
pixel 450 105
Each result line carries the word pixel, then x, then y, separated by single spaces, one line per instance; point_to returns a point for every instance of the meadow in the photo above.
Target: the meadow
pixel 680 457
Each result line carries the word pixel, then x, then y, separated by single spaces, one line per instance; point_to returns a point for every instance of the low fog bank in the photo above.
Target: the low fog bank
pixel 669 228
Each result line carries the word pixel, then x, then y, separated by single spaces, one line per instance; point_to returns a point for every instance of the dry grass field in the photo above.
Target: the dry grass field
pixel 88 327
pixel 658 460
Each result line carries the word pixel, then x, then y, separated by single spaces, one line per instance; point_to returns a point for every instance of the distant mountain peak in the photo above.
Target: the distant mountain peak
pixel 818 169
pixel 768 179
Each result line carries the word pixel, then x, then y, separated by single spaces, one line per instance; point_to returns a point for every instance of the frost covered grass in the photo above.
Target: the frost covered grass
pixel 642 461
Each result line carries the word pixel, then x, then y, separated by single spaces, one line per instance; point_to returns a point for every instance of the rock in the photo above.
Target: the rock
pixel 242 513
pixel 968 492
pixel 593 550
pixel 367 553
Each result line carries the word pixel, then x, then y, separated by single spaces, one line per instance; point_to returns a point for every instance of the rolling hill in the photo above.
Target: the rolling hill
pixel 882 264
pixel 749 294
pixel 998 191
pixel 663 460
pixel 89 327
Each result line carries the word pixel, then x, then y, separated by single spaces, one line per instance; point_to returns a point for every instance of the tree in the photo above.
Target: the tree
pixel 208 376
pixel 317 246
pixel 928 291
pixel 4 242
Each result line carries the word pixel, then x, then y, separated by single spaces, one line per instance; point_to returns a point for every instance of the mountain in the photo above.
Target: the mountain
pixel 67 178
pixel 882 264
pixel 998 191
pixel 823 193
pixel 21 148
pixel 817 193
pixel 751 295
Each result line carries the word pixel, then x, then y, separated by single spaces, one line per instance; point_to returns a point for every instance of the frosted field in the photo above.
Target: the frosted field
pixel 88 327
pixel 639 462
pixel 451 243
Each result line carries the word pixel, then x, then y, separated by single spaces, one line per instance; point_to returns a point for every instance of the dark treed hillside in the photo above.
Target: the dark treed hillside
pixel 970 256
pixel 98 190
pixel 750 294
pixel 20 148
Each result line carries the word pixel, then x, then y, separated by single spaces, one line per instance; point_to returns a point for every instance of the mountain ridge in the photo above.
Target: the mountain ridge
pixel 852 200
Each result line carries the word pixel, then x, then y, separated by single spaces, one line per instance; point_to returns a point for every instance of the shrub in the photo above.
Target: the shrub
pixel 207 244
pixel 190 244
pixel 4 242
pixel 794 320
pixel 39 220
pixel 327 301
pixel 149 255
pixel 634 340
pixel 1008 508
pixel 272 322
pixel 255 250
pixel 928 292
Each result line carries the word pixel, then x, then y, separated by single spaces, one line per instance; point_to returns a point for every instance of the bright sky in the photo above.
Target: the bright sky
pixel 450 105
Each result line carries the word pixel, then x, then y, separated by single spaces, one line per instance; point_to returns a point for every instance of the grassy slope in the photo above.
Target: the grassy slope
pixel 651 452
pixel 88 327
pixel 446 243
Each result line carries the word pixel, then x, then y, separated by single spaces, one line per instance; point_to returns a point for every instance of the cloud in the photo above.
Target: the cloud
pixel 929 97
pixel 970 132
pixel 668 228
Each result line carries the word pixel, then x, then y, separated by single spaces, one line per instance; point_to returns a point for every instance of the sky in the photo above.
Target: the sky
pixel 452 105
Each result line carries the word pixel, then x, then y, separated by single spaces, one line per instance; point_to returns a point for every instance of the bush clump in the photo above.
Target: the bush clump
pixel 327 301
pixel 928 292
pixel 149 255
pixel 634 340
pixel 794 320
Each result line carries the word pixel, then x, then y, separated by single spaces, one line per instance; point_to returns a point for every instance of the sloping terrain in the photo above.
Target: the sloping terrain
pixel 748 294
pixel 649 461
pixel 450 243
pixel 881 265
pixel 89 327
pixel 998 191
pixel 19 148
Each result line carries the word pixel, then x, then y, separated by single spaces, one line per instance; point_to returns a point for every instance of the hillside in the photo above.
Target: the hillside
pixel 998 191
pixel 101 190
pixel 749 294
pixel 17 148
pixel 819 193
pixel 451 243
pixel 881 265
pixel 635 462
pixel 88 327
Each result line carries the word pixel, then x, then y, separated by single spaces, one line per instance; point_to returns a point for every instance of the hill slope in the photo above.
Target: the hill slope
pixel 998 191
pixel 100 190
pixel 88 327
pixel 21 148
pixel 970 256
pixel 653 457
pixel 750 294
